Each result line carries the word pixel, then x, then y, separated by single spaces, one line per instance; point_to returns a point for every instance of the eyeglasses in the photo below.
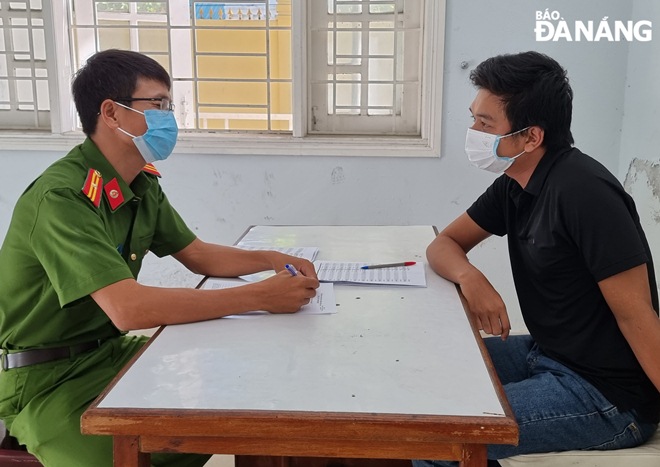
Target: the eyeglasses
pixel 165 102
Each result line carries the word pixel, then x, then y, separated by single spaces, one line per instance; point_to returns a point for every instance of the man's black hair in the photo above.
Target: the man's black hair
pixel 534 90
pixel 111 74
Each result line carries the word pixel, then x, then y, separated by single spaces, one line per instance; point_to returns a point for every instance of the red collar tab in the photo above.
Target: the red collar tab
pixel 93 187
pixel 151 169
pixel 113 194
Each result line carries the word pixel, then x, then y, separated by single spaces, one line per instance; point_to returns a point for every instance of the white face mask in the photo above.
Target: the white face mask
pixel 481 150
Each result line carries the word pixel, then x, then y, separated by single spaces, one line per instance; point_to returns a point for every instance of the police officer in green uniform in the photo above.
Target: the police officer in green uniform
pixel 71 256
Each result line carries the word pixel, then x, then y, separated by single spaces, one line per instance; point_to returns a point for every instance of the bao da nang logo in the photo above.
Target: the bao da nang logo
pixel 551 26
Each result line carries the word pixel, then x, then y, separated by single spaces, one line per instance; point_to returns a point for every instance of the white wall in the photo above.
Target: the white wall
pixel 639 161
pixel 220 196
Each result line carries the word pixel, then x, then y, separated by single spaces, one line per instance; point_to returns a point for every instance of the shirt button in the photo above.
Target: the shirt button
pixel 133 256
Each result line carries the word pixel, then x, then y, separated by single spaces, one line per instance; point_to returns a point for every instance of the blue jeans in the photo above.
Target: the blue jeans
pixel 556 409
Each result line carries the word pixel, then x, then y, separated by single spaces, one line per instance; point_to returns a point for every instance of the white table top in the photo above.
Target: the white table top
pixel 389 350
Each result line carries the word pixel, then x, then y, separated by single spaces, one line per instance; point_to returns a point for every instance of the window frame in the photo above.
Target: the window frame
pixel 299 143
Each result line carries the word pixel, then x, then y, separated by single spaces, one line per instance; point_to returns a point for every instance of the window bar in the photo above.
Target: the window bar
pixel 33 70
pixel 395 64
pixel 334 66
pixel 195 76
pixel 269 103
pixel 364 65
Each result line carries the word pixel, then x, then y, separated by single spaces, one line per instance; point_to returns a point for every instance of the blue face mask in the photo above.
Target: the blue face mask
pixel 159 140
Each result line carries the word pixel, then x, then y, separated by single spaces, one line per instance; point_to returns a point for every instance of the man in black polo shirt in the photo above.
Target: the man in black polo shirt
pixel 587 376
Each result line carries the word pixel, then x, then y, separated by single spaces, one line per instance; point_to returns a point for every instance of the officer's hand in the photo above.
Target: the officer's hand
pixel 304 267
pixel 284 293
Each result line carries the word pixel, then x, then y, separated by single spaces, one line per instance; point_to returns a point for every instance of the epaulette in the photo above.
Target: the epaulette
pixel 150 168
pixel 93 187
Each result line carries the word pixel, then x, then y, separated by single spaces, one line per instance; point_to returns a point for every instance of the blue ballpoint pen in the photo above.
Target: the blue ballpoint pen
pixel 291 268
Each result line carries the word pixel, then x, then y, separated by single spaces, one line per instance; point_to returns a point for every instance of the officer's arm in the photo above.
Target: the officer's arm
pixel 209 259
pixel 131 305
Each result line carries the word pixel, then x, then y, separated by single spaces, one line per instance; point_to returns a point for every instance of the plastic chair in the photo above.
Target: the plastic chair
pixel 646 455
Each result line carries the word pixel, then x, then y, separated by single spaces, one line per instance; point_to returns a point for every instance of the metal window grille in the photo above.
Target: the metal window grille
pixel 230 61
pixel 24 87
pixel 233 63
pixel 368 81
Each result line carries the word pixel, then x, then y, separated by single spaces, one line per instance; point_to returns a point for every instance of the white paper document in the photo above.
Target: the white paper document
pixel 342 271
pixel 322 304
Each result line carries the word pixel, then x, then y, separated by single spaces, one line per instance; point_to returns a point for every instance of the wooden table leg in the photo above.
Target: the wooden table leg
pixel 127 452
pixel 474 455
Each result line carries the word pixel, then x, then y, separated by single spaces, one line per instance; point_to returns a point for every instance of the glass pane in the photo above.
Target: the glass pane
pixel 231 55
pixel 115 38
pixel 153 40
pixel 381 43
pixel 24 92
pixel 114 7
pixel 4 90
pixel 348 94
pixel 152 7
pixel 349 42
pixel 381 69
pixel 233 93
pixel 3 66
pixel 43 102
pixel 281 102
pixel 347 7
pixel 348 77
pixel 380 95
pixel 381 8
pixel 231 41
pixel 281 66
pixel 232 67
pixel 19 38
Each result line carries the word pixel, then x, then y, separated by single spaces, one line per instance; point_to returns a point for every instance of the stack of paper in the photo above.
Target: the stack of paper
pixel 342 271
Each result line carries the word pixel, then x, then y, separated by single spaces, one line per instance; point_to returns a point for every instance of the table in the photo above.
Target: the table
pixel 398 373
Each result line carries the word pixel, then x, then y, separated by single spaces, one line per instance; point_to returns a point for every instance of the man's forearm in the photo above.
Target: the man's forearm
pixel 448 260
pixel 643 336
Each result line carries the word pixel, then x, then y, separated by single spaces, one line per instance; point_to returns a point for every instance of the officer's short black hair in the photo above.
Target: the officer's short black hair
pixel 111 74
pixel 534 89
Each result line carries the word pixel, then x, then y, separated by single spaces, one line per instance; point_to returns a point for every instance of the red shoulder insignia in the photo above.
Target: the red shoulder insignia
pixel 113 193
pixel 93 187
pixel 150 168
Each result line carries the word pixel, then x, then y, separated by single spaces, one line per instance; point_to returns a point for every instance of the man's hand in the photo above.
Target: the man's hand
pixel 304 267
pixel 447 256
pixel 486 305
pixel 284 293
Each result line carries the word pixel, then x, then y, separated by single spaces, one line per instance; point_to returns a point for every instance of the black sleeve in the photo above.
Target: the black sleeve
pixel 602 220
pixel 489 210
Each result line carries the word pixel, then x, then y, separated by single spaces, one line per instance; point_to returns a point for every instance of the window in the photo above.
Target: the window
pixel 24 94
pixel 273 75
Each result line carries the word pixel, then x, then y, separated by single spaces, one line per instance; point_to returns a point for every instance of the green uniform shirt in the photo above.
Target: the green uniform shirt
pixel 60 248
